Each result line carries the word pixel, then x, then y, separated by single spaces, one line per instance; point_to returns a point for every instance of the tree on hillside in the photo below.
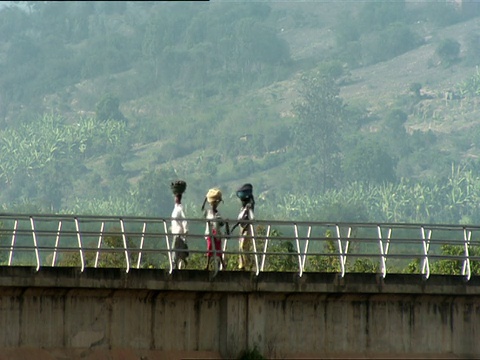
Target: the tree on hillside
pixel 369 162
pixel 448 51
pixel 108 109
pixel 395 134
pixel 317 133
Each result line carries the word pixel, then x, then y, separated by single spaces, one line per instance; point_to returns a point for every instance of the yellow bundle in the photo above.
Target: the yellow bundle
pixel 214 195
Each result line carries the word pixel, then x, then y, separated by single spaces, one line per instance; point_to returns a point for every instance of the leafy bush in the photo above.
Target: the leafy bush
pixel 369 162
pixel 108 108
pixel 448 51
pixel 454 267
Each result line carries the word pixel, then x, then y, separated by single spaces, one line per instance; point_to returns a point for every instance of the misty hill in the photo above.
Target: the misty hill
pixel 215 93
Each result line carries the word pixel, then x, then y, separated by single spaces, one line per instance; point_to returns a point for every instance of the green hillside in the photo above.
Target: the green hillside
pixel 348 111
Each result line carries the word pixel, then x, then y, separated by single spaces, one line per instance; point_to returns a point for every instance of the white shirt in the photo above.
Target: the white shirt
pixel 210 215
pixel 246 213
pixel 178 225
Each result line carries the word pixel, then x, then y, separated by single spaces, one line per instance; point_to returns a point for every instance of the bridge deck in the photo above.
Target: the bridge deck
pixel 154 280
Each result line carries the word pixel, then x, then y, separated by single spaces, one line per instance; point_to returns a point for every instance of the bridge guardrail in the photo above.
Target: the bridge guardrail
pixel 46 240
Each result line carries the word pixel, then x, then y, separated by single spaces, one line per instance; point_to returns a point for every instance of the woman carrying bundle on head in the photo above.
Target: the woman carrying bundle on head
pixel 214 225
pixel 245 194
pixel 179 226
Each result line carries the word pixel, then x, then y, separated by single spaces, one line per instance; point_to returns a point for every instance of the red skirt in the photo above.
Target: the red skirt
pixel 218 245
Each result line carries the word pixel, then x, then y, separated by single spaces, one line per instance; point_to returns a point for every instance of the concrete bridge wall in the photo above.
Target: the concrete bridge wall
pixel 62 313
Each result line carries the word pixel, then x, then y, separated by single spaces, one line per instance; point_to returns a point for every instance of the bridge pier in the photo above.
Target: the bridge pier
pixel 63 313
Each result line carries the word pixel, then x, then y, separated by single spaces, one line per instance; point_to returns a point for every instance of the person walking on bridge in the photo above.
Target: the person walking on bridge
pixel 245 194
pixel 179 226
pixel 214 226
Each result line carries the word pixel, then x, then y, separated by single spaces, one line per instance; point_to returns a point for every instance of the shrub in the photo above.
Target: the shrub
pixel 448 51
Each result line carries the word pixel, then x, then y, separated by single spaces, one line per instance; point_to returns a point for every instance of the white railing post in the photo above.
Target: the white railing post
pixel 80 247
pixel 124 237
pixel 299 252
pixel 12 244
pixel 169 248
pixel 384 250
pixel 254 242
pixel 224 244
pixel 57 241
pixel 347 244
pixel 426 246
pixel 342 252
pixel 35 244
pixel 99 244
pixel 142 239
pixel 467 235
pixel 265 247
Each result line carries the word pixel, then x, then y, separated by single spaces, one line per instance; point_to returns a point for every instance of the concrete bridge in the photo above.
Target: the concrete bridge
pixel 85 311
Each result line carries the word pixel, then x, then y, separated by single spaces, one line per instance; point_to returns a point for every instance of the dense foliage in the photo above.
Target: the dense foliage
pixel 102 104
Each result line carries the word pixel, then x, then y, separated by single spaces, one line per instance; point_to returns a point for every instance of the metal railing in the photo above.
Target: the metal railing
pixel 136 242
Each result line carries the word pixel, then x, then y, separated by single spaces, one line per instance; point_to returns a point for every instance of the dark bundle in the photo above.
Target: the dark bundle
pixel 245 192
pixel 178 187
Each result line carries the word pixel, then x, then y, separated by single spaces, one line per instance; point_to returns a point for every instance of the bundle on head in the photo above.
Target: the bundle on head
pixel 214 196
pixel 245 192
pixel 178 187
